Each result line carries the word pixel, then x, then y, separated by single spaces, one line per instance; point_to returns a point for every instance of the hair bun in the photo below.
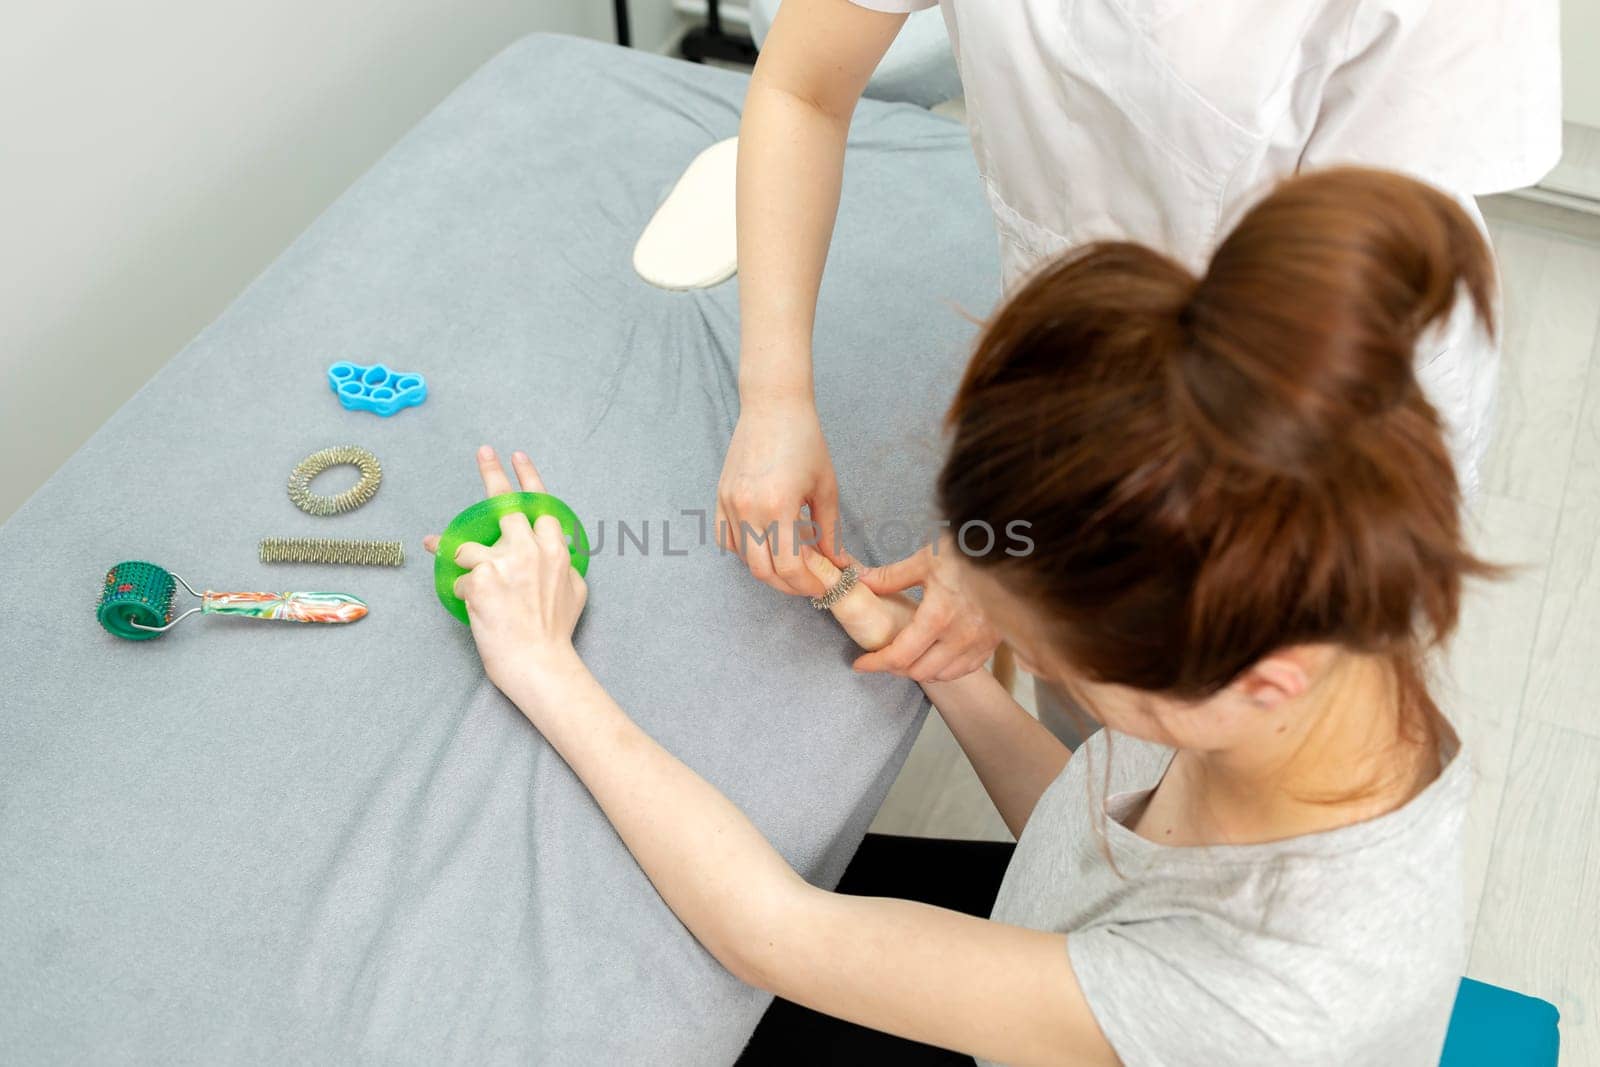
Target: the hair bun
pixel 1307 321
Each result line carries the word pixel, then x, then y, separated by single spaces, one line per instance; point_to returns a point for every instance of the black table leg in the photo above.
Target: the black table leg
pixel 624 35
pixel 711 41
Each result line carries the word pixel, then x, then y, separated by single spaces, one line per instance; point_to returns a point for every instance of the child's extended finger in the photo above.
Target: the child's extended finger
pixel 431 542
pixel 495 481
pixel 527 473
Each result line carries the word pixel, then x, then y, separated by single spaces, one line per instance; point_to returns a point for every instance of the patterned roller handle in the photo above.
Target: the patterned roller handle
pixel 289 607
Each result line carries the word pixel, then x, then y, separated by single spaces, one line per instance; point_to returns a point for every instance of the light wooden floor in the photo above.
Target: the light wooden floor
pixel 1522 680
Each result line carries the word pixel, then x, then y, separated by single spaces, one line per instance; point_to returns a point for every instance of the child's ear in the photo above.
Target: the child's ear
pixel 1275 680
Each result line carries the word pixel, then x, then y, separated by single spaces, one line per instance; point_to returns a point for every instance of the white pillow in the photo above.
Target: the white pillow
pixel 691 241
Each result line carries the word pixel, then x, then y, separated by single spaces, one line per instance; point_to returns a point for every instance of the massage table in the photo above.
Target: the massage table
pixel 259 842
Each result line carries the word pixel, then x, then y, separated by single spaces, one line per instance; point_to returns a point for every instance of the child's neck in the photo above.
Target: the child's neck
pixel 1335 756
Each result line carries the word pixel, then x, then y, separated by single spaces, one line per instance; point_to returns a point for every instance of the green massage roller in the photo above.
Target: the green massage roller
pixel 481 523
pixel 136 603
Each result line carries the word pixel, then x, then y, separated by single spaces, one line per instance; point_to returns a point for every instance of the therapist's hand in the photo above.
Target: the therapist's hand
pixel 523 596
pixel 777 461
pixel 949 637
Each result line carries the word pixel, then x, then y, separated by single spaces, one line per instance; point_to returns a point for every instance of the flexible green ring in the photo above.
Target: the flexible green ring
pixel 481 523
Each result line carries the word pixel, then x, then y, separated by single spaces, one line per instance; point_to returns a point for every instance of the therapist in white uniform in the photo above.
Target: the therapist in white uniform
pixel 1157 121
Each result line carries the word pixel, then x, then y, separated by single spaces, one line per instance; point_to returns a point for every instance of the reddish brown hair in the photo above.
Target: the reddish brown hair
pixel 1215 468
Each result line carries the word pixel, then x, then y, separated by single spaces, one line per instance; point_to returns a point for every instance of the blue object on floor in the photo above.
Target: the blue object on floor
pixel 1494 1026
pixel 376 388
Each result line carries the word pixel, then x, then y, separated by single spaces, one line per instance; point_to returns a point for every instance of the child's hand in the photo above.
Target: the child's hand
pixel 523 596
pixel 871 621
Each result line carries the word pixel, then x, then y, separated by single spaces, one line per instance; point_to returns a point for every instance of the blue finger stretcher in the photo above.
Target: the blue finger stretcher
pixel 376 388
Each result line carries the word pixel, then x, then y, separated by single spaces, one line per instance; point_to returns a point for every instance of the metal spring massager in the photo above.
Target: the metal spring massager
pixel 306 471
pixel 350 553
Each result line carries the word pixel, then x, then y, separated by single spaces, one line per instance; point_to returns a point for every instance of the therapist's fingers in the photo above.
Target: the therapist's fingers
pixel 431 542
pixel 785 572
pixel 749 527
pixel 792 570
pixel 730 540
pixel 752 541
pixel 527 474
pixel 825 513
pixel 758 558
pixel 747 511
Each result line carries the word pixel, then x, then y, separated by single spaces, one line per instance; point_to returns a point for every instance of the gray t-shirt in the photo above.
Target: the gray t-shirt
pixel 1338 947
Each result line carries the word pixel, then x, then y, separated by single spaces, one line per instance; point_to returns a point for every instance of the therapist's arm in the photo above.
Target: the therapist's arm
pixel 813 66
pixel 1015 756
pixel 996 991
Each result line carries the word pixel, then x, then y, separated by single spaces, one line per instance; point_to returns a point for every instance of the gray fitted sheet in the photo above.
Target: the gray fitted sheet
pixel 257 842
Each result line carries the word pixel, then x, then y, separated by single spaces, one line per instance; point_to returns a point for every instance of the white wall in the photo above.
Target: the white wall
pixel 155 157
pixel 1580 61
pixel 658 24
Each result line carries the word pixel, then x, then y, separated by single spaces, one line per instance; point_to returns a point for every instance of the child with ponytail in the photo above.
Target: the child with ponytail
pixel 1246 539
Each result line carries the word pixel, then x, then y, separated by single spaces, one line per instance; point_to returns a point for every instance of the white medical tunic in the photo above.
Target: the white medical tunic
pixel 1161 121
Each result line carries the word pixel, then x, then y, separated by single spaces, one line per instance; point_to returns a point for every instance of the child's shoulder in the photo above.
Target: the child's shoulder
pixel 1122 763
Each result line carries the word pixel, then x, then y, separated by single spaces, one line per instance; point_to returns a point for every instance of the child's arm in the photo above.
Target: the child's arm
pixel 1000 992
pixel 1016 758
